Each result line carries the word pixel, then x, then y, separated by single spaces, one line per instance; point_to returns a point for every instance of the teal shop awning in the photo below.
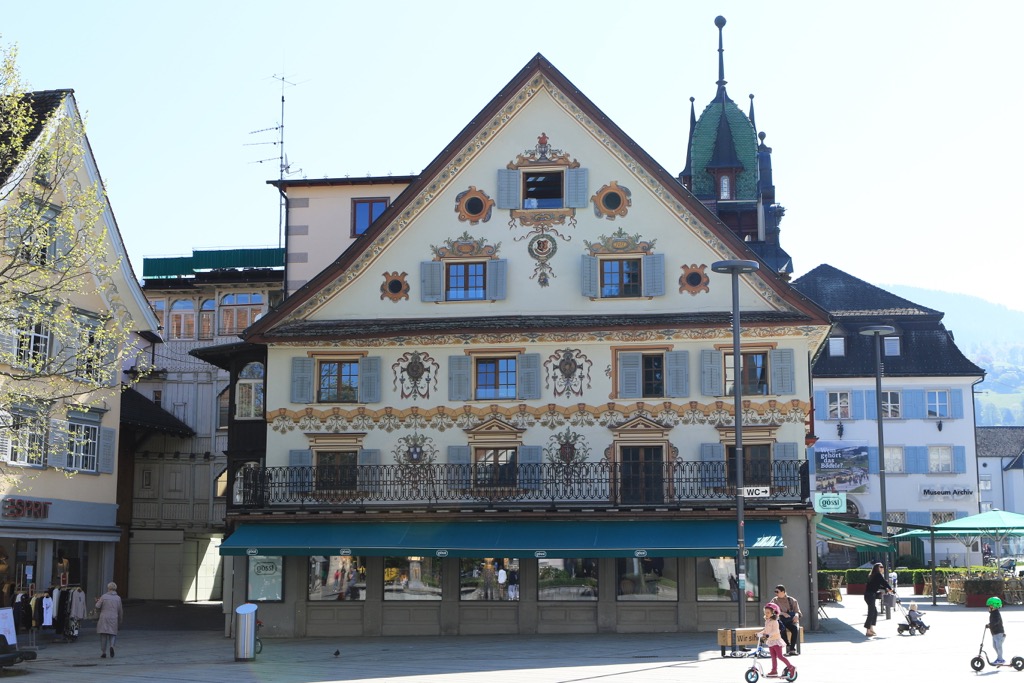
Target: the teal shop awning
pixel 834 531
pixel 675 538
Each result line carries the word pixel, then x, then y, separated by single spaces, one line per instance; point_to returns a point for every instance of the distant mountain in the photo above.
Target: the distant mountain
pixel 992 336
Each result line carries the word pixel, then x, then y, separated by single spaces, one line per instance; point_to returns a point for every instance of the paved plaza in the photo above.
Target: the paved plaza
pixel 838 652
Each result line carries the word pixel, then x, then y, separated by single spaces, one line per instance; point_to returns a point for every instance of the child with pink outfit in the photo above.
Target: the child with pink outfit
pixel 773 639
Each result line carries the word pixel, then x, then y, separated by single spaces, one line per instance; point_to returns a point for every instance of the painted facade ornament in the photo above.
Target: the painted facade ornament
pixel 415 372
pixel 395 286
pixel 541 248
pixel 612 201
pixel 566 449
pixel 567 371
pixel 473 205
pixel 465 246
pixel 415 449
pixel 694 279
pixel 620 243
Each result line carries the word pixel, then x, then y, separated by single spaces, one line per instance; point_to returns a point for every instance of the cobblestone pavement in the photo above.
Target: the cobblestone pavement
pixel 838 652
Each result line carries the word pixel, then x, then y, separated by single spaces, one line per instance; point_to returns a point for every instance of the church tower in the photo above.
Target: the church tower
pixel 729 169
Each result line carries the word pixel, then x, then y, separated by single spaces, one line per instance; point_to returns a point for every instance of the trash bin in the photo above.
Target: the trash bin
pixel 245 632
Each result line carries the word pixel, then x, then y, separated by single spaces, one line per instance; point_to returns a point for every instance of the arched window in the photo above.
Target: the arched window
pixel 183 319
pixel 249 393
pixel 207 313
pixel 223 408
pixel 238 311
pixel 725 187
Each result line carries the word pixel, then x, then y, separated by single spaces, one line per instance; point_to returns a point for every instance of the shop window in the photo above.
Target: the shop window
pixel 412 578
pixel 567 579
pixel 265 578
pixel 337 577
pixel 716 580
pixel 488 578
pixel 646 579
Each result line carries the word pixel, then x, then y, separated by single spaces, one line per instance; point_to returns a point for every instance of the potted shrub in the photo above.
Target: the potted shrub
pixel 856 581
pixel 977 591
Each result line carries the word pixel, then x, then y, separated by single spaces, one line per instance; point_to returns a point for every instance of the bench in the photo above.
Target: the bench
pixel 736 638
pixel 11 655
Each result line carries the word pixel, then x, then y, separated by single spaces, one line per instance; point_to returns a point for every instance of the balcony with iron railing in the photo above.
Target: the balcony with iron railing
pixel 581 486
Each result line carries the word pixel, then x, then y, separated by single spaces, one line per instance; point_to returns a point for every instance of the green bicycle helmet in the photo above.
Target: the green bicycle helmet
pixel 994 603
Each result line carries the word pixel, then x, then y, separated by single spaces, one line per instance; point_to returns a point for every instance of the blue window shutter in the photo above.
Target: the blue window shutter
pixel 57 446
pixel 820 406
pixel 959 514
pixel 959 459
pixel 302 457
pixel 531 462
pixel 431 281
pixel 783 372
pixel 528 376
pixel 459 378
pixel 711 373
pixel 590 276
pixel 369 379
pixel 712 472
pixel 786 451
pixel 300 481
pixel 810 461
pixel 956 403
pixel 302 379
pixel 857 404
pixel 508 189
pixel 653 275
pixel 368 474
pixel 870 405
pixel 497 275
pixel 872 459
pixel 5 436
pixel 105 463
pixel 576 195
pixel 919 517
pixel 459 460
pixel 677 374
pixel 913 404
pixel 916 459
pixel 630 371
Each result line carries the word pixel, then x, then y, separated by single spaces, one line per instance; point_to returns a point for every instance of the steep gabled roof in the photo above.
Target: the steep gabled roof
pixel 843 295
pixel 538 67
pixel 44 103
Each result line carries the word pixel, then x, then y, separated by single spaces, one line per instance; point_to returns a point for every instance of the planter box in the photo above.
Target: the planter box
pixel 918 589
pixel 975 600
pixel 855 588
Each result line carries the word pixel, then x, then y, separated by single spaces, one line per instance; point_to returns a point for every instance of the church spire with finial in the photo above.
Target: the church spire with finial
pixel 722 95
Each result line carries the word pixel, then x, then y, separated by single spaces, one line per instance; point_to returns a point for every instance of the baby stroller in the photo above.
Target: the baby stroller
pixel 910 626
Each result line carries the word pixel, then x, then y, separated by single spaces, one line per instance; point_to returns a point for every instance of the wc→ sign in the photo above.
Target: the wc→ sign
pixel 16 508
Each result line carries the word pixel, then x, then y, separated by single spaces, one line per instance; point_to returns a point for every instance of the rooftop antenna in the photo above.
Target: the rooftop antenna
pixel 284 167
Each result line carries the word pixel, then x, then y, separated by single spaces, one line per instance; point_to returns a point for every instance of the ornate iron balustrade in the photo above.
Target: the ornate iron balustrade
pixel 588 485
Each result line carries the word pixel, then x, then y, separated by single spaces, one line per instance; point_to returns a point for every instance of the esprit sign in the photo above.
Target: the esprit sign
pixel 15 508
pixel 830 502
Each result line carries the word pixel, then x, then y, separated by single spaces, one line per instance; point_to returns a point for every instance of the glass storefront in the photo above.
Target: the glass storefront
pixel 567 579
pixel 337 577
pixel 489 578
pixel 716 580
pixel 647 578
pixel 412 578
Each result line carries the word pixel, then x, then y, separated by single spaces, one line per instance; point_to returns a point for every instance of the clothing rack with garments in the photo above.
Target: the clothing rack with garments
pixel 68 611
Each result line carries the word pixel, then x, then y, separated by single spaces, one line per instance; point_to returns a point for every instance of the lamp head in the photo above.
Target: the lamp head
pixel 877 329
pixel 735 266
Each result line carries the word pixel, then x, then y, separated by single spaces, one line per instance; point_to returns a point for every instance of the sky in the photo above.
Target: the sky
pixel 881 115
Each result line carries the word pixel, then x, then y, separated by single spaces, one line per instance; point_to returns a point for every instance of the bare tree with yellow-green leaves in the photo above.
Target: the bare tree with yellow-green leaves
pixel 66 299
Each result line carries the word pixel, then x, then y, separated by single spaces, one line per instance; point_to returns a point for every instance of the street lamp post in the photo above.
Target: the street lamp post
pixel 877 331
pixel 735 268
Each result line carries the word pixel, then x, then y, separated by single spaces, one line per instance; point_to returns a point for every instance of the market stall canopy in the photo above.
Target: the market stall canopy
pixel 834 531
pixel 995 524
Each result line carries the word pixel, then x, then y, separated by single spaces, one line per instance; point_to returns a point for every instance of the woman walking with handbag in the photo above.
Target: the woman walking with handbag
pixel 876 583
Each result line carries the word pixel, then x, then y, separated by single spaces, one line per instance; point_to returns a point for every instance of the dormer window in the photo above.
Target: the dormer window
pixel 892 346
pixel 725 187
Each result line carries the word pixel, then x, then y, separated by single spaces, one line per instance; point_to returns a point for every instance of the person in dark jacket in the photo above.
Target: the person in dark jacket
pixel 995 627
pixel 876 583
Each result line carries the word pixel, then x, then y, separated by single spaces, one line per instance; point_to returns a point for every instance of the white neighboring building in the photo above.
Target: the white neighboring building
pixel 927 398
